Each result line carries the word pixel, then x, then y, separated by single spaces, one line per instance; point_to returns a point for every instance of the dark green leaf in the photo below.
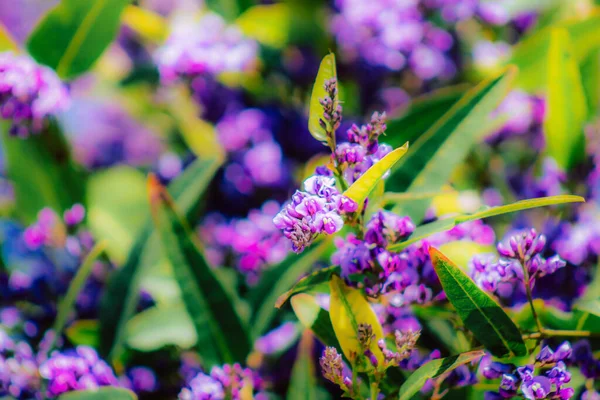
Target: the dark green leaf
pixel 277 279
pixel 309 282
pixel 478 311
pixel 42 172
pixel 434 369
pixel 435 154
pixel 103 393
pixel 222 336
pixel 75 33
pixel 121 295
pixel 228 9
pixel 442 225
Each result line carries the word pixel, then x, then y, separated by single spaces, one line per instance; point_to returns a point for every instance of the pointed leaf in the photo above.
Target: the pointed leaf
pixel 312 316
pixel 222 336
pixel 478 311
pixel 363 186
pixel 121 295
pixel 326 71
pixel 434 369
pixel 348 308
pixel 303 382
pixel 103 393
pixel 277 279
pixel 442 225
pixel 437 152
pixel 73 35
pixel 7 42
pixel 308 283
pixel 567 106
pixel 42 172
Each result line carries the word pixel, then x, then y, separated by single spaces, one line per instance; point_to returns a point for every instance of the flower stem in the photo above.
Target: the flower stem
pixel 546 333
pixel 527 281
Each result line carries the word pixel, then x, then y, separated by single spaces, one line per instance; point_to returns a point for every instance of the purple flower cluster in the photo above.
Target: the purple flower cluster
pixel 363 149
pixel 104 134
pixel 52 231
pixel 255 157
pixel 76 370
pixel 548 385
pixel 205 47
pixel 226 382
pixel 319 209
pixel 29 94
pixel 19 376
pixel 250 244
pixel 521 261
pixel 525 115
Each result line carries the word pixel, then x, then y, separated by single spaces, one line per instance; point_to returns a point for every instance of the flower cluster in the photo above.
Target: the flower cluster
pixel 29 94
pixel 250 244
pixel 19 376
pixel 52 231
pixel 76 370
pixel 226 382
pixel 521 261
pixel 205 47
pixel 548 385
pixel 525 115
pixel 318 209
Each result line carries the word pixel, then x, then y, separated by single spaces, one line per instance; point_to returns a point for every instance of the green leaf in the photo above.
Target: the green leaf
pixel 462 251
pixel 145 23
pixel 222 336
pixel 530 55
pixel 421 114
pixel 312 316
pixel 303 382
pixel 67 304
pixel 277 279
pixel 73 35
pixel 326 71
pixel 434 369
pixel 443 225
pixel 309 282
pixel 157 327
pixel 437 152
pixel 347 309
pixel 478 311
pixel 269 24
pixel 42 172
pixel 117 208
pixel 228 9
pixel 567 106
pixel 121 295
pixel 7 42
pixel 83 332
pixel 103 393
pixel 362 187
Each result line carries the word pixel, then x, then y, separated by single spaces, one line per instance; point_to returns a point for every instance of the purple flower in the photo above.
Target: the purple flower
pixel 278 339
pixel 537 388
pixel 205 47
pixel 29 94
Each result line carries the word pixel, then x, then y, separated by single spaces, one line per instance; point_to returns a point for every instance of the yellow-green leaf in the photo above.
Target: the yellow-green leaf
pixel 312 316
pixel 363 186
pixel 567 106
pixel 147 24
pixel 462 251
pixel 348 308
pixel 326 71
pixel 7 42
pixel 269 24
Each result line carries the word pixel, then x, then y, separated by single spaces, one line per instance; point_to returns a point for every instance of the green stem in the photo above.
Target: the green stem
pixel 374 390
pixel 530 296
pixel 546 333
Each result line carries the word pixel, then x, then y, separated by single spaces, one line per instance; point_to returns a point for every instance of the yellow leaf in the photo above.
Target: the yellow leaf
pixel 462 251
pixel 269 24
pixel 348 308
pixel 7 42
pixel 145 23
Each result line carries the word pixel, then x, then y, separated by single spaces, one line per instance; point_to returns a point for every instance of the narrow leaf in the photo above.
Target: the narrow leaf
pixel 437 152
pixel 363 186
pixel 7 42
pixel 348 308
pixel 103 393
pixel 303 382
pixel 73 35
pixel 478 311
pixel 434 369
pixel 67 304
pixel 121 295
pixel 326 71
pixel 222 337
pixel 443 225
pixel 309 282
pixel 277 279
pixel 567 105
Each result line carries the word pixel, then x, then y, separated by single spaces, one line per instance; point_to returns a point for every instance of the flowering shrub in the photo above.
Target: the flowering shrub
pixel 193 207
